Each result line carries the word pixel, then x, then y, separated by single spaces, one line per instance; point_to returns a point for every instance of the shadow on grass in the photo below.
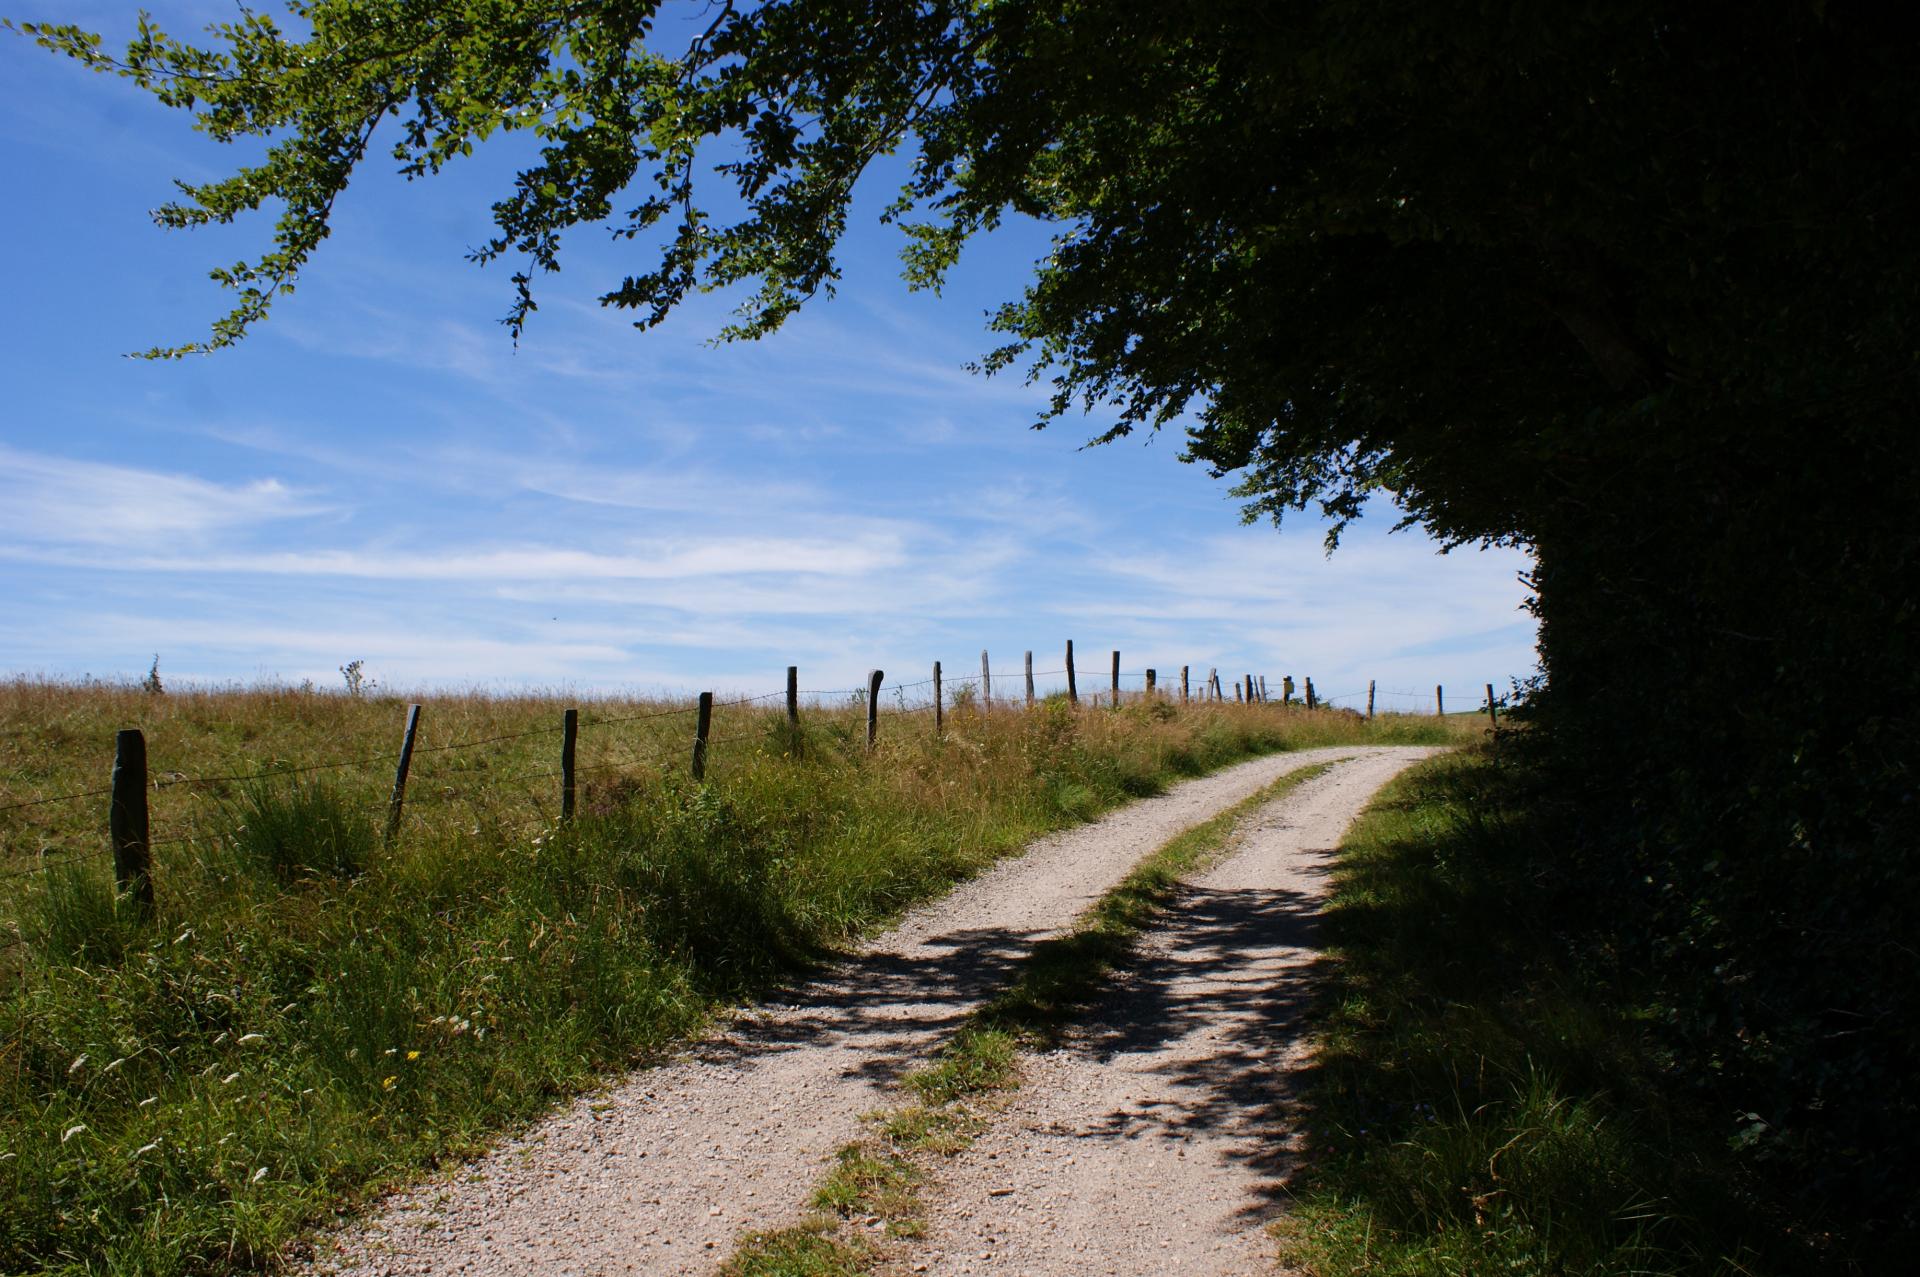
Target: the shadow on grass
pixel 1488 1093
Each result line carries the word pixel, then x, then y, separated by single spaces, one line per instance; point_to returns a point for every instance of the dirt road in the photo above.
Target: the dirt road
pixel 1156 1140
pixel 659 1173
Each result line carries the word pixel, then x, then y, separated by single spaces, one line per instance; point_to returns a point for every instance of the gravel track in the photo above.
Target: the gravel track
pixel 661 1171
pixel 1156 1139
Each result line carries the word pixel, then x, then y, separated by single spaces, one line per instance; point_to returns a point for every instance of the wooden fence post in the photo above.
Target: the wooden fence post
pixel 873 707
pixel 793 696
pixel 702 727
pixel 1369 698
pixel 986 683
pixel 397 803
pixel 1439 702
pixel 1213 681
pixel 1116 678
pixel 1184 695
pixel 1152 680
pixel 569 736
pixel 1313 702
pixel 1286 689
pixel 1249 679
pixel 1029 680
pixel 1073 692
pixel 127 825
pixel 1263 689
pixel 939 702
pixel 1239 693
pixel 1493 719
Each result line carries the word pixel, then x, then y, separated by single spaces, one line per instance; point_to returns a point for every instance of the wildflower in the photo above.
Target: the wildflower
pixel 413 1055
pixel 388 1083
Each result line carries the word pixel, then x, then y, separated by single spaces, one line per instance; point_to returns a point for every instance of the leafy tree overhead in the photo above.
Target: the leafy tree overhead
pixel 1630 283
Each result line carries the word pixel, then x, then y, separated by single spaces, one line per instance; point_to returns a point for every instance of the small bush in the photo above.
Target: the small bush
pixel 299 829
pixel 78 916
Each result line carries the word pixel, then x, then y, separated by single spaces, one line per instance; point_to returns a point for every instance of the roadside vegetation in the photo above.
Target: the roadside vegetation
pixel 1495 1088
pixel 311 1014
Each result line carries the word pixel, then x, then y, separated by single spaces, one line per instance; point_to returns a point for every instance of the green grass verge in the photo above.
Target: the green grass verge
pixel 310 1016
pixel 1488 1097
pixel 872 1190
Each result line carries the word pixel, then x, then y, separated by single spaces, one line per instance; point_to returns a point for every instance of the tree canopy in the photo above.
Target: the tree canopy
pixel 1630 283
pixel 1375 244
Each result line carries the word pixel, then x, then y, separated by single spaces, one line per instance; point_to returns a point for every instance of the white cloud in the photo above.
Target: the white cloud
pixel 646 562
pixel 48 500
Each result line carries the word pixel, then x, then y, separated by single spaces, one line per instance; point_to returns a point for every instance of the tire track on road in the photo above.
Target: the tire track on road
pixel 659 1172
pixel 1157 1138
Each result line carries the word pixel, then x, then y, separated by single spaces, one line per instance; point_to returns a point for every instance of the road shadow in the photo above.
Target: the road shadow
pixel 886 1011
pixel 1222 991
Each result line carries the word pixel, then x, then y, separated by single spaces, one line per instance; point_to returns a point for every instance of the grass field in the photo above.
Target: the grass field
pixel 311 1014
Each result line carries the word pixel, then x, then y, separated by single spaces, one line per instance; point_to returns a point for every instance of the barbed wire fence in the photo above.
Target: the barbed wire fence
pixel 132 838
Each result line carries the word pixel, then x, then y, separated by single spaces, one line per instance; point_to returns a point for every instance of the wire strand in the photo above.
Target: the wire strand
pixel 57 798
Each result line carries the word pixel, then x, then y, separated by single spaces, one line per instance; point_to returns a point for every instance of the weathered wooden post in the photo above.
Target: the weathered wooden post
pixel 1313 702
pixel 1249 679
pixel 1263 689
pixel 793 696
pixel 1286 689
pixel 986 683
pixel 397 803
pixel 569 737
pixel 127 825
pixel 1073 691
pixel 1369 698
pixel 1029 680
pixel 1213 681
pixel 939 702
pixel 1439 701
pixel 702 728
pixel 1493 718
pixel 1239 693
pixel 1152 678
pixel 1184 697
pixel 873 707
pixel 1116 678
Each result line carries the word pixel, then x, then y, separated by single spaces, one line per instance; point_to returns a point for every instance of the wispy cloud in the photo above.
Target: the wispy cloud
pixel 58 500
pixel 660 561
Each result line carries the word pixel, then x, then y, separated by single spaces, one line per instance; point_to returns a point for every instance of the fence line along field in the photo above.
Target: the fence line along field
pixel 308 1010
pixel 57 742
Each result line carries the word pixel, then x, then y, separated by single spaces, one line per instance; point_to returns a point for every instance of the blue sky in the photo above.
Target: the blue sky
pixel 378 474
